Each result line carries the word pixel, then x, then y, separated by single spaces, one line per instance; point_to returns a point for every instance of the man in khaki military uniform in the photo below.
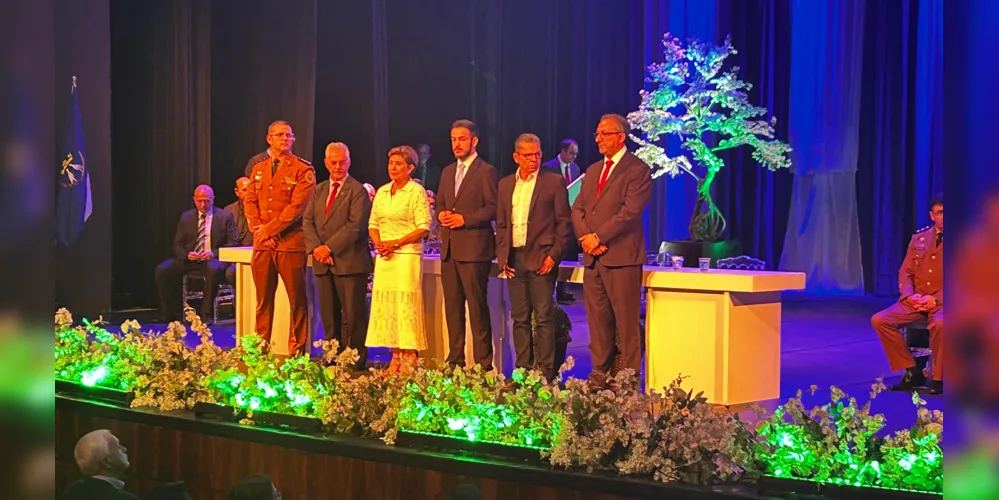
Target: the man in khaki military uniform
pixel 280 186
pixel 920 286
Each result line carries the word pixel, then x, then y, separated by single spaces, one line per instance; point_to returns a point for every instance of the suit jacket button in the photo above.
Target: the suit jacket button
pixel 931 270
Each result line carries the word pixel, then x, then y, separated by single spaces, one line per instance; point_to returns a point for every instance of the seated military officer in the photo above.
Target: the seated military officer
pixel 920 286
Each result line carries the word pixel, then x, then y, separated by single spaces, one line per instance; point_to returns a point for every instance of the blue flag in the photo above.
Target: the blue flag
pixel 73 202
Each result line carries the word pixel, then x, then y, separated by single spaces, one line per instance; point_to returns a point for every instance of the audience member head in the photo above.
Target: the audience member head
pixel 431 199
pixel 401 162
pixel 280 138
pixel 242 184
pixel 568 150
pixel 99 453
pixel 465 492
pixel 169 491
pixel 424 151
pixel 337 160
pixel 527 154
pixel 611 132
pixel 936 210
pixel 254 487
pixel 204 198
pixel 371 191
pixel 464 138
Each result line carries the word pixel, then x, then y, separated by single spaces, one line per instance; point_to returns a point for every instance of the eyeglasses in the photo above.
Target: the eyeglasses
pixel 283 135
pixel 598 135
pixel 530 155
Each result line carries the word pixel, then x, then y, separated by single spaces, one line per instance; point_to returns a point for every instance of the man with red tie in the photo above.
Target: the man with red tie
pixel 607 217
pixel 280 186
pixel 335 225
pixel 565 165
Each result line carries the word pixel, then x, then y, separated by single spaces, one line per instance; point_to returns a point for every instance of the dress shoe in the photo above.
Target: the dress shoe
pixel 936 387
pixel 912 379
pixel 565 297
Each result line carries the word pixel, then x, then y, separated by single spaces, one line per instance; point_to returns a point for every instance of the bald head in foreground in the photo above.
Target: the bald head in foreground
pixel 201 232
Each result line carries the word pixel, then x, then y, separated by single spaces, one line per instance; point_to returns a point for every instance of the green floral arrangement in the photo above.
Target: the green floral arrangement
pixel 837 443
pixel 670 436
pixel 472 404
pixel 675 436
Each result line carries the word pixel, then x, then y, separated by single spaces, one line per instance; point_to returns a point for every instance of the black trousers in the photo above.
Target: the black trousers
pixel 467 281
pixel 531 294
pixel 169 276
pixel 612 296
pixel 344 310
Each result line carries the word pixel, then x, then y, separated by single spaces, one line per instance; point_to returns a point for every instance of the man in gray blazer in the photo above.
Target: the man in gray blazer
pixel 335 226
pixel 565 165
pixel 607 216
pixel 533 227
pixel 466 208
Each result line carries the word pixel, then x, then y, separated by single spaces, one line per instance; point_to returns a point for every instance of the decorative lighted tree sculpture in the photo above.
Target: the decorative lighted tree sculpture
pixel 694 100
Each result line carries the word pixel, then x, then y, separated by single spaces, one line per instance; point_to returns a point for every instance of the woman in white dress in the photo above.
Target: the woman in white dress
pixel 400 218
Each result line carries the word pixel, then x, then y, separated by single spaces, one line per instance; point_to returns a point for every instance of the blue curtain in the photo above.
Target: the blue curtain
pixel 901 158
pixel 673 199
pixel 823 236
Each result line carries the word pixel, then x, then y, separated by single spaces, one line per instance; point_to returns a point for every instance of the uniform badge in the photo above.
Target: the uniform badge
pixel 289 180
pixel 921 244
pixel 310 177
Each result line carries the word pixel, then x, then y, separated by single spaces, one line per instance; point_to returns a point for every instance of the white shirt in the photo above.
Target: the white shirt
pixel 117 483
pixel 616 159
pixel 395 216
pixel 523 191
pixel 457 170
pixel 564 168
pixel 208 232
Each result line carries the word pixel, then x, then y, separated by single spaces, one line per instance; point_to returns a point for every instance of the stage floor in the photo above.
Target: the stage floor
pixel 825 341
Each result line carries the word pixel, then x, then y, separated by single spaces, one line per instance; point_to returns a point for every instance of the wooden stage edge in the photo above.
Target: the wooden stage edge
pixel 210 456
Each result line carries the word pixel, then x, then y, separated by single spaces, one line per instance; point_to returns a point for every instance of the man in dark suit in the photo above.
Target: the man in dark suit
pixel 335 226
pixel 466 208
pixel 607 216
pixel 427 173
pixel 565 165
pixel 255 159
pixel 244 237
pixel 103 460
pixel 533 227
pixel 200 234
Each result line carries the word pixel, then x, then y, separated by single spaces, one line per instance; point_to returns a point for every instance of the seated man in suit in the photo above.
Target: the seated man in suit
pixel 335 227
pixel 528 254
pixel 565 165
pixel 920 286
pixel 103 460
pixel 244 237
pixel 200 234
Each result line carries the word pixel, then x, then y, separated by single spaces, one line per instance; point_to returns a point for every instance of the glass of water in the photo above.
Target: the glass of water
pixel 663 257
pixel 677 262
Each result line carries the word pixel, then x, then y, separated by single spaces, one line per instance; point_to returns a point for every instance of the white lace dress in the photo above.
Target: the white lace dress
pixel 396 318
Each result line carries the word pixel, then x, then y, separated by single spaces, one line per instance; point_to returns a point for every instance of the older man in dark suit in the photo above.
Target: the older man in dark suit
pixel 466 208
pixel 335 226
pixel 607 216
pixel 244 237
pixel 103 461
pixel 200 233
pixel 565 165
pixel 533 227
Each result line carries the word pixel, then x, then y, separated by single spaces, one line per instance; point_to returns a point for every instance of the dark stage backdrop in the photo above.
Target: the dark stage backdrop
pixel 83 271
pixel 196 83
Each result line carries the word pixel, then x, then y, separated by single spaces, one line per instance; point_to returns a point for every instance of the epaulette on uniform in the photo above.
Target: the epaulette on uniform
pixel 303 160
pixel 924 229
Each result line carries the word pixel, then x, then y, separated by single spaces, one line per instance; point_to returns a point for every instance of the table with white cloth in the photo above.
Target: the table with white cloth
pixel 721 329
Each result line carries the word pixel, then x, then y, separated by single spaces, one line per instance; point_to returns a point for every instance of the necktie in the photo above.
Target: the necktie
pixel 333 191
pixel 568 178
pixel 603 176
pixel 458 178
pixel 274 166
pixel 939 238
pixel 200 247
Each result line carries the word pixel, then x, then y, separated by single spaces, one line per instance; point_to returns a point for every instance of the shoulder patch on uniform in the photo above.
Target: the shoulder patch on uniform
pixel 922 229
pixel 303 160
pixel 310 176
